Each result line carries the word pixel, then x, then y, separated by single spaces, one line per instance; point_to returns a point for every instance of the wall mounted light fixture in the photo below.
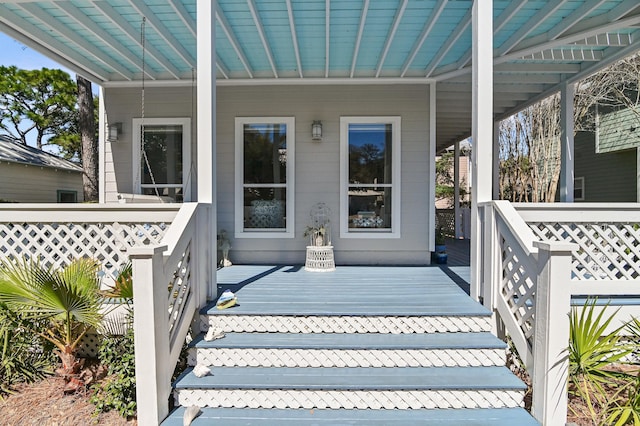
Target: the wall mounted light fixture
pixel 316 130
pixel 113 131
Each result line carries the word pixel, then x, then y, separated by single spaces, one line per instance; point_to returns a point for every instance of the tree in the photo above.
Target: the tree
pixel 445 182
pixel 87 128
pixel 40 101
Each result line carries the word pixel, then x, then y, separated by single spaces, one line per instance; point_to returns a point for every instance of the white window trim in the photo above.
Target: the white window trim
pixel 395 121
pixel 289 230
pixel 579 183
pixel 185 122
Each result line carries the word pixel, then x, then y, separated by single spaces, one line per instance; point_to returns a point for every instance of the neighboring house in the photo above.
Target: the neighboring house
pixel 30 175
pixel 607 159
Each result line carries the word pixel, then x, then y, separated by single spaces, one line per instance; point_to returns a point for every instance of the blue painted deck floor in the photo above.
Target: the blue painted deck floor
pixel 349 290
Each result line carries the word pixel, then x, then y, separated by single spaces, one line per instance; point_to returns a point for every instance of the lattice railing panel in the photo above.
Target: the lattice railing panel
pixel 377 400
pixel 57 244
pixel 179 289
pixel 345 324
pixel 606 250
pixel 517 286
pixel 242 357
pixel 446 221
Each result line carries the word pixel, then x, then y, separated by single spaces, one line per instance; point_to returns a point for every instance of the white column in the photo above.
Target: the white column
pixel 496 160
pixel 206 129
pixel 482 128
pixel 432 163
pixel 102 126
pixel 566 140
pixel 456 190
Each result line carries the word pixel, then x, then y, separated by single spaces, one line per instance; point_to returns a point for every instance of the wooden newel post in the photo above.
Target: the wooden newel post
pixel 551 333
pixel 151 334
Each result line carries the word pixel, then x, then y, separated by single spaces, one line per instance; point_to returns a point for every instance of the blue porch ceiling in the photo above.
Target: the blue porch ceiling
pixel 537 44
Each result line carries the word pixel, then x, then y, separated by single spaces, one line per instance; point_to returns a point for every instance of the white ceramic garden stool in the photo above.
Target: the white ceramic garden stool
pixel 320 259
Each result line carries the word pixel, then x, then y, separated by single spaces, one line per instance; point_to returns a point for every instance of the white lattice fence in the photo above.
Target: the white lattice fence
pixel 56 237
pixel 607 250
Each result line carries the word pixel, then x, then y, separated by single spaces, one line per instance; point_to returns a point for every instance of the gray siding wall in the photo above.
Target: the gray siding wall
pixel 33 184
pixel 317 163
pixel 318 166
pixel 608 177
pixel 122 106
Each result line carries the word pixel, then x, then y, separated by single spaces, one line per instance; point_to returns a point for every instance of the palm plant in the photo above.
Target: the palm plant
pixel 591 353
pixel 67 300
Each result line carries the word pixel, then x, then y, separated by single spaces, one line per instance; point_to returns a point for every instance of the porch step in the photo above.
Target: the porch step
pixel 352 388
pixel 277 417
pixel 349 350
pixel 359 346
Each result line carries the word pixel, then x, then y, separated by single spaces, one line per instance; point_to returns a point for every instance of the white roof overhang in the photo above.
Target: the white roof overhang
pixel 538 45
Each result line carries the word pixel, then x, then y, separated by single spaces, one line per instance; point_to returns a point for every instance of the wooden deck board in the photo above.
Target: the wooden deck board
pixel 354 378
pixel 279 417
pixel 354 341
pixel 350 290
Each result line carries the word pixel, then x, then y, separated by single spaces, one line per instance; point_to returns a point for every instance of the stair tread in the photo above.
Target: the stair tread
pixel 353 378
pixel 357 341
pixel 434 417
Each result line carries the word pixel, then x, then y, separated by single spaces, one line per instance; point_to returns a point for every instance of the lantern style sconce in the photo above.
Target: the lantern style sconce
pixel 316 130
pixel 113 131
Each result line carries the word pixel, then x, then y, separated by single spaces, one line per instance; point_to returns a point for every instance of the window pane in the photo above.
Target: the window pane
pixel 370 153
pixel 163 148
pixel 265 153
pixel 369 208
pixel 265 208
pixel 174 193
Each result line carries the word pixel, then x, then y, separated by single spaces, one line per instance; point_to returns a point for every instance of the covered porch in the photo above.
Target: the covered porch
pixel 453 68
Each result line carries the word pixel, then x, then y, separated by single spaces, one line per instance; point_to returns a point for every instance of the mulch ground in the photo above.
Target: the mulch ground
pixel 45 404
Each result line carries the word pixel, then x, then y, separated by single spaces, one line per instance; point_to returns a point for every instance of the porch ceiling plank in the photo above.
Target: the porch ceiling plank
pixel 327 34
pixel 623 9
pixel 134 34
pixel 356 50
pixel 224 70
pixel 428 27
pixel 294 37
pixel 506 15
pixel 36 39
pixel 163 31
pixel 392 33
pixel 574 17
pixel 553 68
pixel 457 32
pixel 590 27
pixel 263 37
pixel 57 27
pixel 549 9
pixel 222 20
pixel 107 38
pixel 184 16
pixel 607 39
pixel 609 59
pixel 566 55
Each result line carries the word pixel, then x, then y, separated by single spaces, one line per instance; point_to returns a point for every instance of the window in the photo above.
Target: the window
pixel 162 164
pixel 370 177
pixel 264 177
pixel 578 189
pixel 65 196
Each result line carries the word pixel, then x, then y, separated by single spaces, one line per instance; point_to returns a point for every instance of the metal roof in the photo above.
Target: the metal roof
pixel 537 44
pixel 15 152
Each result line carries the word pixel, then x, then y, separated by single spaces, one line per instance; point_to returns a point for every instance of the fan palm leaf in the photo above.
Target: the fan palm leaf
pixel 67 299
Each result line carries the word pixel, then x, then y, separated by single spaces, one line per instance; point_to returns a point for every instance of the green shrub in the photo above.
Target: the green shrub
pixel 24 357
pixel 118 390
